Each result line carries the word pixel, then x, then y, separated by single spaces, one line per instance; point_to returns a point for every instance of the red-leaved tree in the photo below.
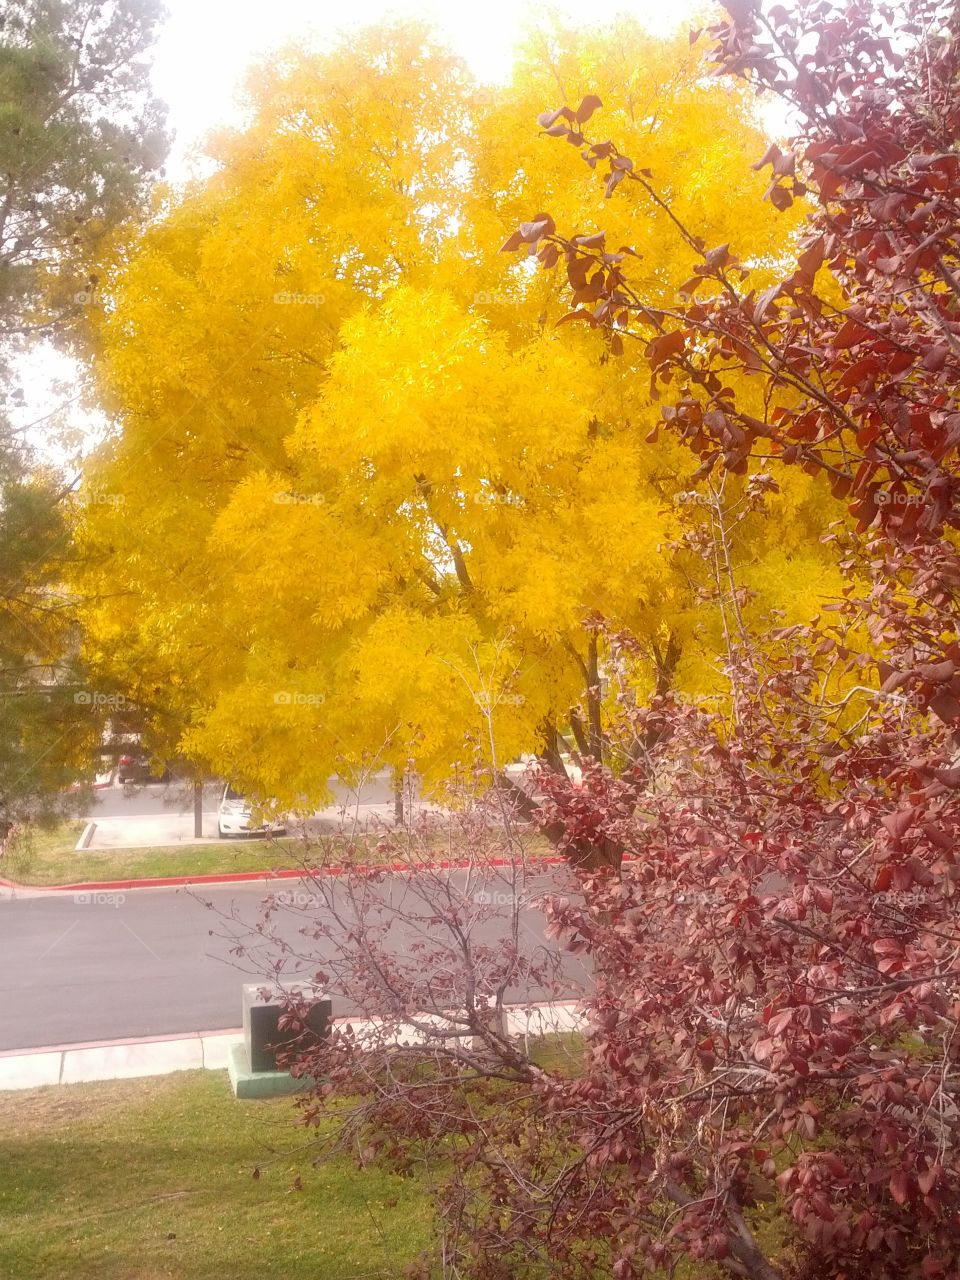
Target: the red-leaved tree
pixel 770 1081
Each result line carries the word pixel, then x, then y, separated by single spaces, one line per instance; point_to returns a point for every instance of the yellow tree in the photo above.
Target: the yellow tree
pixel 369 504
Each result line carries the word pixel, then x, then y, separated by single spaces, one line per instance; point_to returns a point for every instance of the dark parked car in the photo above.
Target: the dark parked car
pixel 134 766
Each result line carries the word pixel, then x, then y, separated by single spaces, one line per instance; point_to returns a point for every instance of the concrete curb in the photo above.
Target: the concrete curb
pixel 85 837
pixel 115 1060
pixel 247 877
pixel 132 1059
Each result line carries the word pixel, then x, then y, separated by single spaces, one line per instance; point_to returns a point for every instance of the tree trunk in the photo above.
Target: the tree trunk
pixel 198 808
pixel 582 854
pixel 398 804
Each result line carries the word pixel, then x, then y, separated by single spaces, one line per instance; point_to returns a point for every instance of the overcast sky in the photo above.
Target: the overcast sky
pixel 208 44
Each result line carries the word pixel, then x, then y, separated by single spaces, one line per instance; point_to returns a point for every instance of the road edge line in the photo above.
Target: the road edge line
pixel 249 877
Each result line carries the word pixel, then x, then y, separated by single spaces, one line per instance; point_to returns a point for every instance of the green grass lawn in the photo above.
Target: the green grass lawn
pixel 143 1179
pixel 150 1179
pixel 49 857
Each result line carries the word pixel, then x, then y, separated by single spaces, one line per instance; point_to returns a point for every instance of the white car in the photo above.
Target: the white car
pixel 235 815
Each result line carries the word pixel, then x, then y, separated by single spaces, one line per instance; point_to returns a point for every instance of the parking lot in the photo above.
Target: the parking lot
pixel 157 813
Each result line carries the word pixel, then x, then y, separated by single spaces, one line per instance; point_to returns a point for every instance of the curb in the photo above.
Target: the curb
pixel 126 1059
pixel 85 838
pixel 121 1042
pixel 247 877
pixel 132 1058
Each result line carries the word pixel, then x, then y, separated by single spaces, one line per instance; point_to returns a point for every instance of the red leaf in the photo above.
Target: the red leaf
pixel 900 1187
pixel 770 156
pixel 764 301
pixel 937 672
pixel 587 107
pixel 849 334
pixel 532 231
pixel 897 824
pixel 717 258
pixel 936 357
pixel 579 314
pixel 823 899
pixel 613 181
pixel 667 345
pixel 888 947
pixel 780 1021
pixel 549 118
pixel 762 1050
pixel 892 680
pixel 946 706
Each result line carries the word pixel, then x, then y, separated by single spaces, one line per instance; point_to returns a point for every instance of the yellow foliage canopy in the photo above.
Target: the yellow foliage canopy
pixel 368 500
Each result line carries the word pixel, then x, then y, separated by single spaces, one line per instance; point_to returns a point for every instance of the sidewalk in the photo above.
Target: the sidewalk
pixel 162 1055
pixel 115 1060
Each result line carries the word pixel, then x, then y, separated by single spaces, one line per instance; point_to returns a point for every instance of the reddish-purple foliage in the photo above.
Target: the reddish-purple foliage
pixel 774 1005
pixel 866 391
pixel 772 1071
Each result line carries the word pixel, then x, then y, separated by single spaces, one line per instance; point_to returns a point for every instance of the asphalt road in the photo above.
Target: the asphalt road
pixel 75 968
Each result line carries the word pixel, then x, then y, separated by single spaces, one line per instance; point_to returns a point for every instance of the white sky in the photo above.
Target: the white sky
pixel 208 44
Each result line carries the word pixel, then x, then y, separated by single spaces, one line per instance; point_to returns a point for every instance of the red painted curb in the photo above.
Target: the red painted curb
pixel 246 877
